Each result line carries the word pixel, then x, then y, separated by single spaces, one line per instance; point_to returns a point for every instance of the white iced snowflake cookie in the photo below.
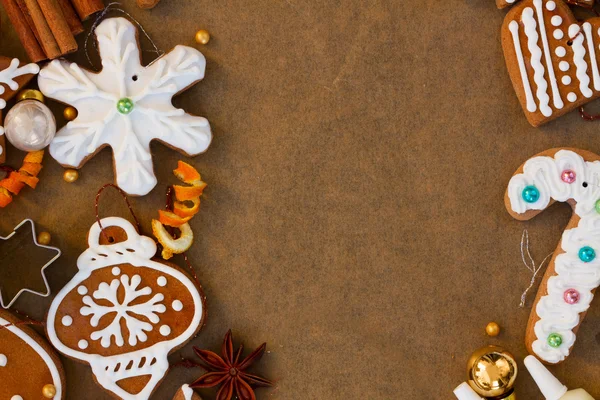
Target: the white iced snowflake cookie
pixel 123 312
pixel 126 106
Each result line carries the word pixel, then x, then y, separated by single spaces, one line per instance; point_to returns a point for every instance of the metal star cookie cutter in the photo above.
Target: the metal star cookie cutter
pixel 42 271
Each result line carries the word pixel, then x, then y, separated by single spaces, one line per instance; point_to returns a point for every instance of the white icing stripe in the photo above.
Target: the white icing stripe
pixel 514 29
pixel 587 28
pixel 556 315
pixel 579 61
pixel 558 103
pixel 536 61
pixel 42 353
pixel 188 392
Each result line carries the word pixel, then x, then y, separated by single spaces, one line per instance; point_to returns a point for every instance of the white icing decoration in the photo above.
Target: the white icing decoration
pixel 116 271
pixel 536 61
pixel 99 123
pixel 124 310
pixel 556 20
pixel 165 330
pixel 17 397
pixel 67 320
pixel 572 97
pixel 177 305
pixel 82 290
pixel 566 80
pixel 1 150
pixel 3 360
pixel 587 28
pixel 564 66
pixel 560 51
pixel 514 29
pixel 13 71
pixel 161 281
pixel 556 316
pixel 83 344
pixel 558 34
pixel 557 101
pixel 52 367
pixel 188 392
pixel 151 361
pixel 551 6
pixel 579 60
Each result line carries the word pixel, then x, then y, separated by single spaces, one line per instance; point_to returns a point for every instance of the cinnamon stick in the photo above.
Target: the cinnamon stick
pixel 58 25
pixel 46 38
pixel 23 30
pixel 71 17
pixel 85 8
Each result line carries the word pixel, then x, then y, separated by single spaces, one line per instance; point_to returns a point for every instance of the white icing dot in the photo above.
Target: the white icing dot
pixel 116 271
pixel 16 397
pixel 566 80
pixel 558 34
pixel 556 20
pixel 3 360
pixel 560 51
pixel 177 305
pixel 563 66
pixel 550 6
pixel 1 150
pixel 165 330
pixel 83 344
pixel 82 290
pixel 572 97
pixel 161 281
pixel 67 320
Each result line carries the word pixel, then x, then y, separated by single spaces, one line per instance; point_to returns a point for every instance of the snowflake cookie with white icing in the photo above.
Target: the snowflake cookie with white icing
pixel 126 106
pixel 124 312
pixel 29 367
pixel 573 274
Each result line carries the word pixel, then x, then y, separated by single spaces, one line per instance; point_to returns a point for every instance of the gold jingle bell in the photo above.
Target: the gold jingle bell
pixel 492 372
pixel 49 391
pixel 31 94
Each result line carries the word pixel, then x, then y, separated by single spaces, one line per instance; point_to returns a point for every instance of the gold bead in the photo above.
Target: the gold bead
pixel 70 113
pixel 44 238
pixel 49 391
pixel 492 372
pixel 202 36
pixel 492 329
pixel 70 175
pixel 31 94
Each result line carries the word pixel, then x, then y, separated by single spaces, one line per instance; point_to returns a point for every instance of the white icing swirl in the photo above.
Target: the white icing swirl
pixel 556 315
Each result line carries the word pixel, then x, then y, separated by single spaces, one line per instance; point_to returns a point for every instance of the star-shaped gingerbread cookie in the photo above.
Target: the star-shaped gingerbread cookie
pixel 126 106
pixel 46 293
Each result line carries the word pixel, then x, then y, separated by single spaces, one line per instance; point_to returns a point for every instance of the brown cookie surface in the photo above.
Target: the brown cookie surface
pixel 27 362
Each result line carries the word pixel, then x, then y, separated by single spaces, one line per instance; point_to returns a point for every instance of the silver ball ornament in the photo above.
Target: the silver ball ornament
pixel 30 125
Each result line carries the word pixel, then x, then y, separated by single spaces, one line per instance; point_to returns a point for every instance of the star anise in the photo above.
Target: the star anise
pixel 230 372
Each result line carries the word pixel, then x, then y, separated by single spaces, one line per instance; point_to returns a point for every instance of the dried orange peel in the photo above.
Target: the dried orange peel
pixel 17 180
pixel 181 214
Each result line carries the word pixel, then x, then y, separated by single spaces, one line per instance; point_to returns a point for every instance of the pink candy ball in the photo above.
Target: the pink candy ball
pixel 568 176
pixel 571 296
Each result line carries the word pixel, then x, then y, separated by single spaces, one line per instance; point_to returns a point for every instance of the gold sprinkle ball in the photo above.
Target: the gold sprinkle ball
pixel 49 391
pixel 202 36
pixel 70 175
pixel 44 238
pixel 31 94
pixel 492 329
pixel 70 113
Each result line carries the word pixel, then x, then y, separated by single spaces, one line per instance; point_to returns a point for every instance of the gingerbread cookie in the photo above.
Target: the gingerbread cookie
pixel 581 3
pixel 126 106
pixel 13 76
pixel 552 59
pixel 123 312
pixel 186 393
pixel 29 368
pixel 567 289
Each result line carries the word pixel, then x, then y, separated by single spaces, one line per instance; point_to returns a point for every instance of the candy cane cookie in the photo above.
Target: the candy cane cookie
pixel 567 289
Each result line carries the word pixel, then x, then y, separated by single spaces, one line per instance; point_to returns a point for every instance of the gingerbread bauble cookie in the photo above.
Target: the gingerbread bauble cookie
pixel 573 274
pixel 123 312
pixel 29 368
pixel 126 106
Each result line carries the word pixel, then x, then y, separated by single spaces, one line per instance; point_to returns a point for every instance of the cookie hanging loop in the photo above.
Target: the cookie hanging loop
pixel 97 203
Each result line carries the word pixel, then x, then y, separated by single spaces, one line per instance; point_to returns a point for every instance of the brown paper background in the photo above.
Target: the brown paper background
pixel 354 218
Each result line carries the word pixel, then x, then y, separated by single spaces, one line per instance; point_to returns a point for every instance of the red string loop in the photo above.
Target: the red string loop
pixel 97 203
